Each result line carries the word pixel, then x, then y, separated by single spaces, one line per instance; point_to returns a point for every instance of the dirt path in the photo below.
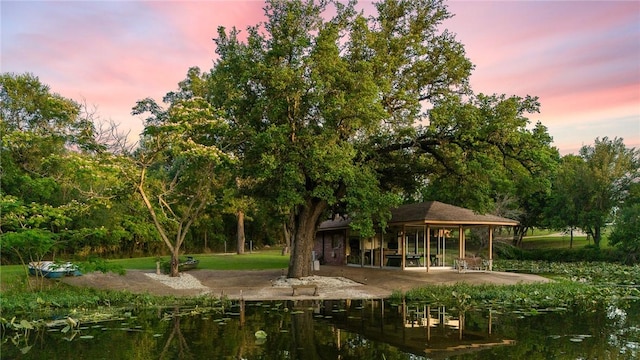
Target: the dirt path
pixel 263 284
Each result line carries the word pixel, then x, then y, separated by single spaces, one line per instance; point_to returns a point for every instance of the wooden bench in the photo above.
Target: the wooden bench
pixel 476 263
pixel 305 286
pixel 471 263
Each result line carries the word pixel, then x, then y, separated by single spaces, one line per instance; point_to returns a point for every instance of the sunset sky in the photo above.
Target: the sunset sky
pixel 581 58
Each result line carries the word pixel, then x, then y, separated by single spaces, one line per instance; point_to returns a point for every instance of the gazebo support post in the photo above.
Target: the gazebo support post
pixel 460 242
pixel 404 250
pixel 425 238
pixel 381 249
pixel 362 250
pixel 428 260
pixel 490 248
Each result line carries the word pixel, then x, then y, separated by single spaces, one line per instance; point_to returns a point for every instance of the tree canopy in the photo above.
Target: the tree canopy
pixel 54 176
pixel 610 168
pixel 179 164
pixel 340 114
pixel 626 229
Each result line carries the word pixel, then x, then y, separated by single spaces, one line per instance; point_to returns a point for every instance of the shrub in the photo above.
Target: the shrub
pixel 587 253
pixel 626 232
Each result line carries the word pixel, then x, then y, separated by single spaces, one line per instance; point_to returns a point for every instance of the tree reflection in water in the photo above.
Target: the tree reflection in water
pixel 168 351
pixel 303 341
pixel 340 329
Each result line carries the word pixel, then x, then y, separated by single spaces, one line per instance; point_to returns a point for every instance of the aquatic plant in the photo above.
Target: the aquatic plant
pixel 554 296
pixel 577 286
pixel 600 273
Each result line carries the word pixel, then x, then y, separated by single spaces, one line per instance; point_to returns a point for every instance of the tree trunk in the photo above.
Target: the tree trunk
pixel 241 238
pixel 597 235
pixel 518 234
pixel 287 240
pixel 304 225
pixel 175 262
pixel 183 351
pixel 303 341
pixel 571 239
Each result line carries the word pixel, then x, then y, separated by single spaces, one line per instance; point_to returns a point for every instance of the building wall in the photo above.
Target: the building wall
pixel 330 247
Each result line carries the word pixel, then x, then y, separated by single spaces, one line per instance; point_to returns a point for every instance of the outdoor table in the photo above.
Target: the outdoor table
pixel 411 260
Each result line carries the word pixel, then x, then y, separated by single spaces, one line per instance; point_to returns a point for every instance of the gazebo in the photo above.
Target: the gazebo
pixel 419 236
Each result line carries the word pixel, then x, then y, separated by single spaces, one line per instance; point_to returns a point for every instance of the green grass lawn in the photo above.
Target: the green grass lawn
pixel 11 270
pixel 10 274
pixel 540 232
pixel 257 260
pixel 547 239
pixel 554 242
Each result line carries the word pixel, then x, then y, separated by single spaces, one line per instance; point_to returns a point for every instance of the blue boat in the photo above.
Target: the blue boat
pixel 52 270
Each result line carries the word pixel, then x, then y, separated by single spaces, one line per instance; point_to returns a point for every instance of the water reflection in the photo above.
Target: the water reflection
pixel 176 345
pixel 304 344
pixel 417 329
pixel 344 329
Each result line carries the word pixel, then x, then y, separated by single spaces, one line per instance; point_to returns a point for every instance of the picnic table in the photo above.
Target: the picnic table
pixel 411 260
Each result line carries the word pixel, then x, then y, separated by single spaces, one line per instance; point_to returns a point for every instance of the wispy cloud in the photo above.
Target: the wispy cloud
pixel 581 58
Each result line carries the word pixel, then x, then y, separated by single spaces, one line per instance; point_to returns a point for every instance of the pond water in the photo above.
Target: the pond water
pixel 342 329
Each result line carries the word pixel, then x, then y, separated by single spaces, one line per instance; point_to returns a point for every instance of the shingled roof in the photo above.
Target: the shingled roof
pixel 431 213
pixel 435 212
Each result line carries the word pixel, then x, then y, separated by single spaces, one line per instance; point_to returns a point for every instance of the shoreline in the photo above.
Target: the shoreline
pixel 333 282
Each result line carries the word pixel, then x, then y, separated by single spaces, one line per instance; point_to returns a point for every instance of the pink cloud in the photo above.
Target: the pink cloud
pixel 581 58
pixel 196 23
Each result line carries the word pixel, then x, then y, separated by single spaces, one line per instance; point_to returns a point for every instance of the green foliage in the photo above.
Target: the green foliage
pixel 180 167
pixel 490 125
pixel 28 245
pixel 626 233
pixel 524 297
pixel 580 287
pixel 35 241
pixel 84 301
pixel 98 264
pixel 55 176
pixel 587 253
pixel 563 210
pixel 18 215
pixel 626 230
pixel 326 115
pixel 590 186
pixel 28 106
pixel 597 273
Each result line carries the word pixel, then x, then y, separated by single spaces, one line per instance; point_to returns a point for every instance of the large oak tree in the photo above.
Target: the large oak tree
pixel 335 112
